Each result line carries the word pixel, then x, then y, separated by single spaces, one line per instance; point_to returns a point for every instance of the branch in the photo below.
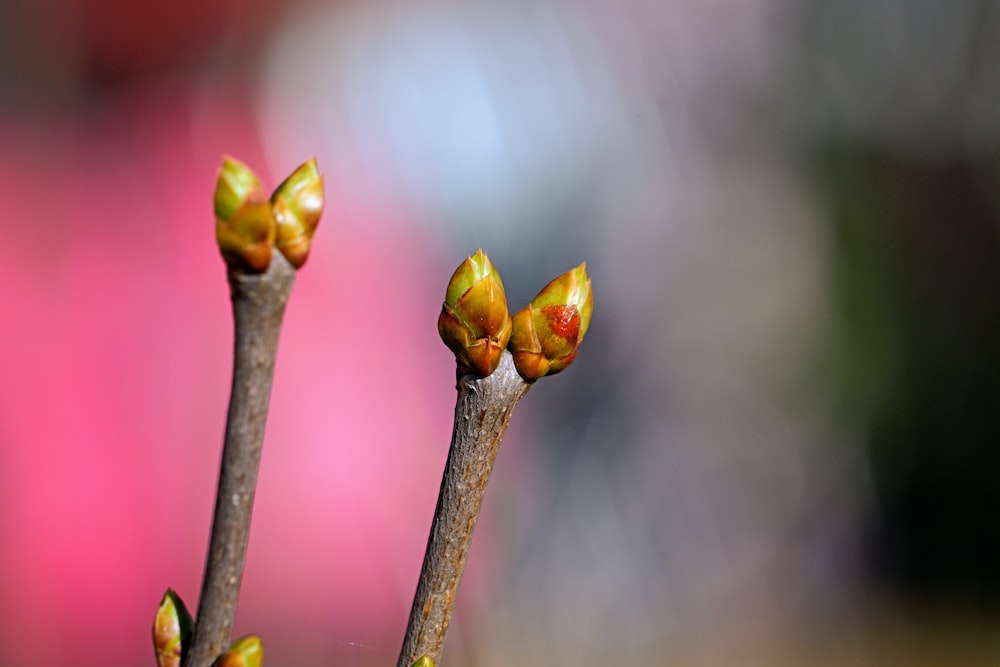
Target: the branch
pixel 482 413
pixel 258 308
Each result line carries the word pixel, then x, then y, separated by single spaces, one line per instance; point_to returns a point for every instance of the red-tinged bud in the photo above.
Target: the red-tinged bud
pixel 474 321
pixel 244 652
pixel 172 629
pixel 244 223
pixel 297 206
pixel 547 333
pixel 423 662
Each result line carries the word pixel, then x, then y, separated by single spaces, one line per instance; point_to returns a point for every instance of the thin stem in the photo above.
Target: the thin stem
pixel 258 308
pixel 482 413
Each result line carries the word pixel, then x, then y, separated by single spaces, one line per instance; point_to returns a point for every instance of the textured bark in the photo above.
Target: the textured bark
pixel 258 309
pixel 482 413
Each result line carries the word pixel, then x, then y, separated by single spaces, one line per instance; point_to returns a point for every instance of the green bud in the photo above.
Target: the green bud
pixel 474 321
pixel 244 652
pixel 244 224
pixel 548 332
pixel 172 629
pixel 423 662
pixel 297 206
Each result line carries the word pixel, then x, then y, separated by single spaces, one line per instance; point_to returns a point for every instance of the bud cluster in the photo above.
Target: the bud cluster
pixel 543 338
pixel 248 224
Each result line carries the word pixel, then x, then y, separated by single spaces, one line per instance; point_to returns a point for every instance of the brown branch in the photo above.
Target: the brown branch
pixel 258 308
pixel 482 413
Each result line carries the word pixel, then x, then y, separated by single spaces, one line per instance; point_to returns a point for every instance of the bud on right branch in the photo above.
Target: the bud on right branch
pixel 543 338
pixel 474 322
pixel 547 333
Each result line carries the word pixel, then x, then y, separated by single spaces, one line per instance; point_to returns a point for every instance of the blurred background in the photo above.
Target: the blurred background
pixel 777 447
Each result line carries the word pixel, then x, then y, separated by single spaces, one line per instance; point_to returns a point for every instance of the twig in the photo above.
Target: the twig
pixel 482 413
pixel 258 308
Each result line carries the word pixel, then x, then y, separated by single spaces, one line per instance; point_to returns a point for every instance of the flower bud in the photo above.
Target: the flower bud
pixel 244 223
pixel 172 629
pixel 474 321
pixel 423 662
pixel 297 205
pixel 244 652
pixel 548 332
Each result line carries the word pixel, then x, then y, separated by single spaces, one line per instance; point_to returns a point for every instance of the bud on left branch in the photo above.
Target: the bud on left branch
pixel 249 225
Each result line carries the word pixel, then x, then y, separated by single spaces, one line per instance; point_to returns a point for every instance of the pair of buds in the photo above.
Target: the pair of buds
pixel 172 628
pixel 249 225
pixel 543 338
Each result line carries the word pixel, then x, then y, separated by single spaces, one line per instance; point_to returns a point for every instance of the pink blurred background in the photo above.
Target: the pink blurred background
pixel 115 375
pixel 708 484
